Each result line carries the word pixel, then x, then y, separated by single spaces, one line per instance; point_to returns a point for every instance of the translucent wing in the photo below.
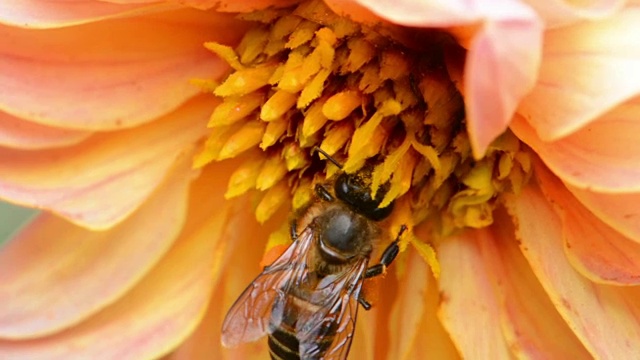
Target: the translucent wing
pixel 337 297
pixel 263 301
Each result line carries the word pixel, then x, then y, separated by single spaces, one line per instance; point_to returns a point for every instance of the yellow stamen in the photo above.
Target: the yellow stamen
pixel 271 201
pixel 340 105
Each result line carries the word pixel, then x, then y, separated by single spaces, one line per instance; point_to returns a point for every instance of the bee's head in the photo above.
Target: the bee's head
pixel 354 190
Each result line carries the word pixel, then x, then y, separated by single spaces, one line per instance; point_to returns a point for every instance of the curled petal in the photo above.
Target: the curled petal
pixel 502 60
pixel 605 318
pixel 98 76
pixel 596 250
pixel 619 211
pixel 604 156
pixel 36 14
pixel 120 168
pixel 466 288
pixel 157 314
pixel 55 274
pixel 20 134
pixel 587 69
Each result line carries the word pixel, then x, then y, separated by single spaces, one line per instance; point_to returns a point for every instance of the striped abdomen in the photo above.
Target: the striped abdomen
pixel 284 341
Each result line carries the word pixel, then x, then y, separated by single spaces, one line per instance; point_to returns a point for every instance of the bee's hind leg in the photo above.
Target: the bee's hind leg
pixel 387 257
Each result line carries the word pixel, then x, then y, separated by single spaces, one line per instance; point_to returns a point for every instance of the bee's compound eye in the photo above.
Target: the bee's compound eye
pixel 340 232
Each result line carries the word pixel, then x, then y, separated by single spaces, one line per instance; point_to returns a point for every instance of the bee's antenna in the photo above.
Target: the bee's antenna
pixel 334 161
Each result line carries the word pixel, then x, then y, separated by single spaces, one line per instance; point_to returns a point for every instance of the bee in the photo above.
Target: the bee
pixel 307 300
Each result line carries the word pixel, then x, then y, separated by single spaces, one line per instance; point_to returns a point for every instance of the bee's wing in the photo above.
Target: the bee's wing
pixel 338 309
pixel 263 301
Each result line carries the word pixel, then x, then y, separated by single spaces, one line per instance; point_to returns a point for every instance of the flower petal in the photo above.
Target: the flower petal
pixel 36 14
pixel 619 211
pixel 604 156
pixel 587 69
pixel 51 259
pixel 161 311
pixel 120 169
pixel 414 329
pixel 243 6
pixel 466 288
pixel 20 134
pixel 561 12
pixel 605 318
pixel 531 324
pixel 502 60
pixel 98 76
pixel 594 249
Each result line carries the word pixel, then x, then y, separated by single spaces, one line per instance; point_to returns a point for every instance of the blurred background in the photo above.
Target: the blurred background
pixel 12 218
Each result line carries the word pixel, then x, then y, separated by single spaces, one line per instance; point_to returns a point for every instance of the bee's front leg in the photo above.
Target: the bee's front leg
pixel 387 257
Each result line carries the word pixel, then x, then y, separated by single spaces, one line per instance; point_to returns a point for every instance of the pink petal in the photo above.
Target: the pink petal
pixel 531 324
pixel 162 310
pixel 604 156
pixel 20 134
pixel 502 61
pixel 596 250
pixel 99 76
pixel 586 70
pixel 605 318
pixel 560 12
pixel 619 211
pixel 469 309
pixel 56 13
pixel 98 182
pixel 54 274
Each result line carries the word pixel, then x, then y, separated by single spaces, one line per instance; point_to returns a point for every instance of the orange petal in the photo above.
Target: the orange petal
pixel 55 274
pixel 20 134
pixel 415 332
pixel 605 318
pixel 619 211
pixel 57 13
pixel 98 76
pixel 103 179
pixel 242 254
pixel 531 324
pixel 587 69
pixel 166 305
pixel 502 60
pixel 604 156
pixel 469 309
pixel 596 250
pixel 243 6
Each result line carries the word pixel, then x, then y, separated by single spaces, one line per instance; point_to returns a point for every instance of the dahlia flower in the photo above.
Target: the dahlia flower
pixel 168 142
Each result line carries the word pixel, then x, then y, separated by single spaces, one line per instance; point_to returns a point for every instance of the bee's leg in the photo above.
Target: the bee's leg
pixel 323 193
pixel 365 304
pixel 293 230
pixel 387 257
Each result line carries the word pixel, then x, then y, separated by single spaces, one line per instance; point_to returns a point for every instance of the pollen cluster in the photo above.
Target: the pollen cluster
pixel 304 77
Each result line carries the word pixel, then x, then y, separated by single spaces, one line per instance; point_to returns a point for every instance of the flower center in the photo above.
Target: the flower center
pixel 304 77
